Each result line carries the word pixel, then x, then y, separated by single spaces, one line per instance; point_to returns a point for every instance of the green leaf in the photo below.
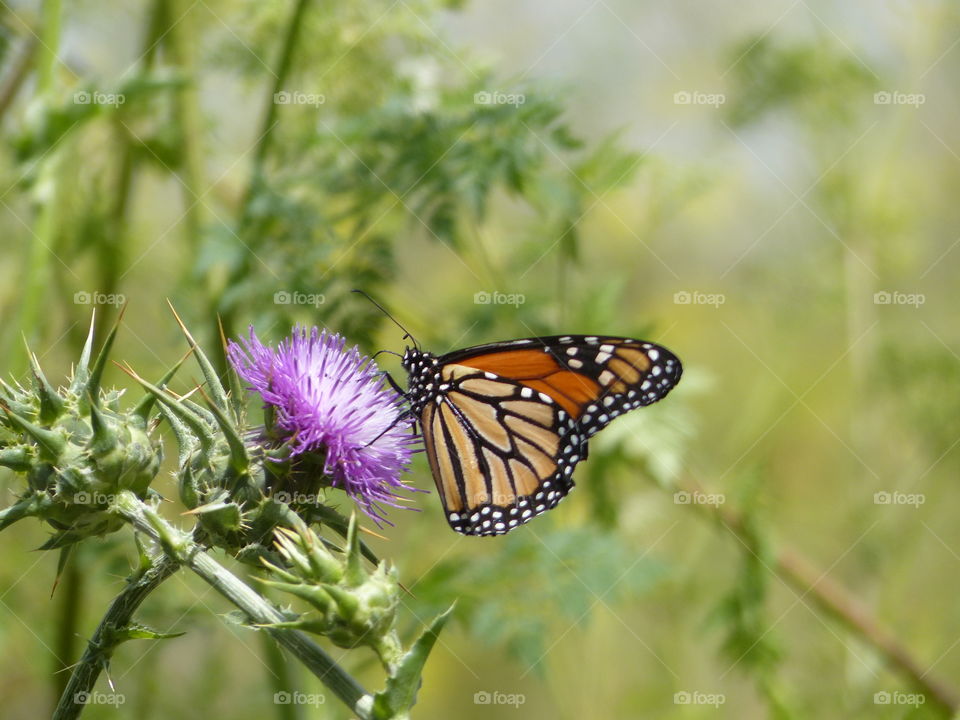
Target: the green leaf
pixel 51 444
pixel 81 372
pixel 203 432
pixel 91 386
pixel 51 404
pixel 135 631
pixel 144 407
pixel 214 386
pixel 400 693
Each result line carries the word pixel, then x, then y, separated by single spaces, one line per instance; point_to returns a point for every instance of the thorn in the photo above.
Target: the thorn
pixel 368 531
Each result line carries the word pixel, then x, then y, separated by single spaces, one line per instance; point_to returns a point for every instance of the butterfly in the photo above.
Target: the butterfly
pixel 504 424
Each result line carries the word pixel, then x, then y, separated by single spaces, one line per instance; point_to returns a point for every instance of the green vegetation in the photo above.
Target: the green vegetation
pixel 768 190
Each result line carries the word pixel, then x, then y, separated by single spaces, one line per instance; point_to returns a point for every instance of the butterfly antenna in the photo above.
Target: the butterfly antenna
pixel 389 352
pixel 406 333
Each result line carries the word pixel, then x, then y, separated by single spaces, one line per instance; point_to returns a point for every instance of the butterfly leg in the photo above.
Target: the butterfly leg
pixel 394 385
pixel 400 418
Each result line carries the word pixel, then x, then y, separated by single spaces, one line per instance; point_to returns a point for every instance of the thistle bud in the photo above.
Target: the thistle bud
pixel 75 450
pixel 353 606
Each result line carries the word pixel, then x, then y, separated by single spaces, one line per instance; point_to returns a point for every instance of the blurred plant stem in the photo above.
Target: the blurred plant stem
pixel 112 243
pixel 20 71
pixel 245 222
pixel 182 42
pixel 70 606
pixel 834 600
pixel 46 199
pixel 282 676
pixel 45 192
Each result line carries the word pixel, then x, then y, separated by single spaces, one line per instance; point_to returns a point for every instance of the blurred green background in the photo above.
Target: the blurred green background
pixel 767 188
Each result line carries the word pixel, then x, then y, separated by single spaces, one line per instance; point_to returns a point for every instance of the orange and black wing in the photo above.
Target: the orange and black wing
pixel 506 423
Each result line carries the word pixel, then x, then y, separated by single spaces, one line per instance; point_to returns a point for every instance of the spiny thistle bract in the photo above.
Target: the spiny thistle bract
pixel 76 448
pixel 355 607
pixel 89 466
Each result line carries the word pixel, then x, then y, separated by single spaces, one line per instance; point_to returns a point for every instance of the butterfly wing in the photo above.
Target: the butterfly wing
pixel 510 421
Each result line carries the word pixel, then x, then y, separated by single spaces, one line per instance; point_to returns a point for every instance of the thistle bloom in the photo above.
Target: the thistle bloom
pixel 332 401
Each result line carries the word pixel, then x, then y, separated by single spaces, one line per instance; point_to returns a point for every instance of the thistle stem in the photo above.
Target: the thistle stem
pixel 181 549
pixel 99 648
pixel 22 509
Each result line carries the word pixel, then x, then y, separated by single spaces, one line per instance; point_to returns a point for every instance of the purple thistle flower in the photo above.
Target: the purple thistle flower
pixel 330 400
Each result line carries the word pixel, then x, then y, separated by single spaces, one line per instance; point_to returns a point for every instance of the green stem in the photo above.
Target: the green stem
pixel 834 600
pixel 260 154
pixel 112 245
pixel 21 70
pixel 50 44
pixel 20 510
pixel 281 677
pixel 67 624
pixel 99 647
pixel 34 286
pixel 182 42
pixel 284 63
pixel 180 548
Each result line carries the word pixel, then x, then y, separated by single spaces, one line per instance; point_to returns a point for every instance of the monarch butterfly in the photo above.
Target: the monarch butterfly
pixel 505 424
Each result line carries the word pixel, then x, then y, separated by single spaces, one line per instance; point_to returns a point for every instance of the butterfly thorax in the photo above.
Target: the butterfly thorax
pixel 423 370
